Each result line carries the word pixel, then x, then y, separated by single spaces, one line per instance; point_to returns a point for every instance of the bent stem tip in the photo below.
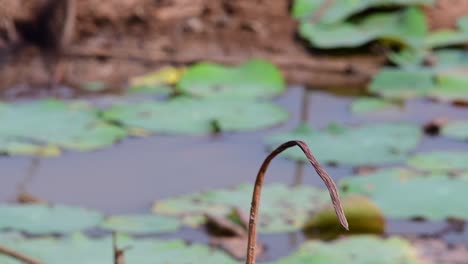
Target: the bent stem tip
pixel 252 236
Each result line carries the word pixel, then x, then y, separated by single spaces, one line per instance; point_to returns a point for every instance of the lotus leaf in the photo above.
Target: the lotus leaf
pixel 253 79
pixel 184 115
pixel 365 145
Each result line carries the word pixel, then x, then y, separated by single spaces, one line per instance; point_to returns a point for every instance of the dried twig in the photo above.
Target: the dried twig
pixel 259 183
pixel 19 256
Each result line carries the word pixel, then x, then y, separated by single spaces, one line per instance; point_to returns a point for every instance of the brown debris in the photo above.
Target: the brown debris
pixel 434 126
pixel 231 236
pixel 436 251
pixel 27 198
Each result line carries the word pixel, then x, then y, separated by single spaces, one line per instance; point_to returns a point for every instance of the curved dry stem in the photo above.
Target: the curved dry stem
pixel 258 187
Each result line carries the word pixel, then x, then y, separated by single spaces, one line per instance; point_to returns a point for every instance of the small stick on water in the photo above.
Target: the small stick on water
pixel 258 187
pixel 17 255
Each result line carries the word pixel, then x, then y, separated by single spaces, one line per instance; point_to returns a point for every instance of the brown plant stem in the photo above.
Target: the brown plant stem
pixel 258 187
pixel 119 254
pixel 19 256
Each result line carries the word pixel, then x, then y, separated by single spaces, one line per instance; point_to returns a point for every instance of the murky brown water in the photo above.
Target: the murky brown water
pixel 129 176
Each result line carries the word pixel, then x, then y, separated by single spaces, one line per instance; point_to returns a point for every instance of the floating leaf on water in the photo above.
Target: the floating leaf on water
pixel 440 161
pixel 450 88
pixel 337 11
pixel 355 250
pixel 79 249
pixel 449 37
pixel 42 127
pixel 137 224
pixel 402 84
pixel 184 115
pixel 253 79
pixel 407 28
pixel 408 58
pixel 47 219
pixel 363 216
pixel 456 129
pixel 451 58
pixel 283 208
pixel 375 143
pixel 404 194
pixel 446 37
pixel 370 105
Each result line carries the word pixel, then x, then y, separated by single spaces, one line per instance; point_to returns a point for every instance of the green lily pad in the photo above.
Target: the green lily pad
pixel 355 250
pixel 45 126
pixel 79 249
pixel 45 219
pixel 408 58
pixel 183 115
pixel 449 58
pixel 456 130
pixel 282 209
pixel 407 28
pixel 374 143
pixel 370 105
pixel 338 11
pixel 141 223
pixel 253 79
pixel 450 88
pixel 448 37
pixel 440 161
pixel 402 84
pixel 404 194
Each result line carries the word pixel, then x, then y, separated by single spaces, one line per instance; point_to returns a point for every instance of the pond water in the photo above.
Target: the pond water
pixel 130 176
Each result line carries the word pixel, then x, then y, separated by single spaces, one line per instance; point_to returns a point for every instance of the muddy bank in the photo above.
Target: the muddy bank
pixel 72 42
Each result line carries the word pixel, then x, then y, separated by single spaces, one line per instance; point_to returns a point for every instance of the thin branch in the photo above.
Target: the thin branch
pixel 19 256
pixel 259 183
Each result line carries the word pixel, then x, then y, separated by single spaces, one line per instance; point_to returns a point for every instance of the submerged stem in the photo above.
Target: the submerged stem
pixel 258 187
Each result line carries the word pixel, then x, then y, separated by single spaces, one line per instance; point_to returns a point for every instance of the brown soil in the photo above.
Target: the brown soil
pixel 115 39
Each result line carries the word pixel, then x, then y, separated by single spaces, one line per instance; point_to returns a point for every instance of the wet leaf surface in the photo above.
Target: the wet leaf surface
pixel 42 127
pixel 355 250
pixel 440 161
pixel 141 224
pixel 184 115
pixel 376 143
pixel 253 79
pixel 46 219
pixel 402 193
pixel 283 208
